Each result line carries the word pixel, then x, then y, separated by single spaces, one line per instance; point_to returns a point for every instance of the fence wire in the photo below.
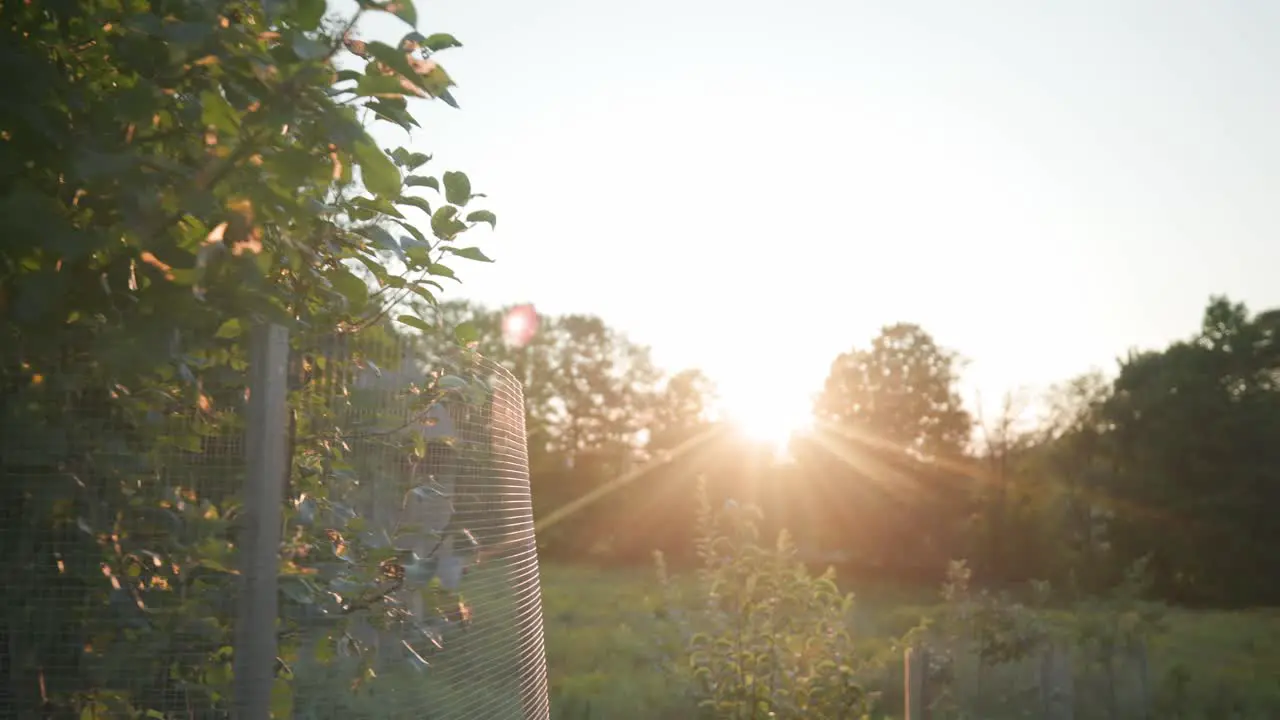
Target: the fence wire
pixel 425 469
pixel 408 580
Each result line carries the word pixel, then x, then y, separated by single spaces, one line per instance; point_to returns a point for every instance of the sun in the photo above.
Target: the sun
pixel 770 421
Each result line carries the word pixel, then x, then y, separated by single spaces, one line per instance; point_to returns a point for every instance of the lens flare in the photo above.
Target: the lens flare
pixel 519 325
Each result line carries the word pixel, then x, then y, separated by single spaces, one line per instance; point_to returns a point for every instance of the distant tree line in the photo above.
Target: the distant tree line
pixel 1174 457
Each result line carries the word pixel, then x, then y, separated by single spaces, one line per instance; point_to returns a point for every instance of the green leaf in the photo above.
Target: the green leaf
pixel 417 202
pixel 229 329
pixel 310 13
pixel 376 169
pixel 380 237
pixel 352 287
pixel 422 181
pixel 371 85
pixel 457 187
pixel 447 96
pixel 216 111
pixel 409 160
pixel 440 41
pixel 422 292
pixel 411 41
pixel 415 322
pixel 308 48
pixel 466 333
pixel 397 60
pixel 445 224
pixel 470 253
pixel 417 256
pixel 404 10
pixel 480 216
pixel 396 113
pixel 415 232
pixel 374 267
pixel 442 271
pixel 186 35
pixel 377 205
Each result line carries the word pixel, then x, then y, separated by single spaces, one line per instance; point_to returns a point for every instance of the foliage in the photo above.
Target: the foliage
pixel 901 390
pixel 174 173
pixel 769 640
pixel 1196 469
pixel 588 387
pixel 981 643
pixel 595 407
pixel 680 410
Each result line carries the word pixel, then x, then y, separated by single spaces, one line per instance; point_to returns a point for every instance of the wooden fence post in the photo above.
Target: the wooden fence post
pixel 259 539
pixel 915 664
pixel 1057 685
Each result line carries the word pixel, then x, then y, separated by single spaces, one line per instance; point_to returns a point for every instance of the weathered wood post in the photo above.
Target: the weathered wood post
pixel 916 683
pixel 259 539
pixel 1057 688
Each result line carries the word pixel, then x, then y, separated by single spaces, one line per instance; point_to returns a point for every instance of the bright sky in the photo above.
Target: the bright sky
pixel 754 187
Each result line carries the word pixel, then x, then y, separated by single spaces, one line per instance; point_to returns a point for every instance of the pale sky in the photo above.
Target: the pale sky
pixel 754 187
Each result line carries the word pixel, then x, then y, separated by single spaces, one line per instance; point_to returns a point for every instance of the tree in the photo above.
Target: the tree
pixel 902 390
pixel 588 387
pixel 589 394
pixel 1003 496
pixel 530 364
pixel 1074 455
pixel 608 382
pixel 882 466
pixel 680 410
pixel 171 174
pixel 1196 464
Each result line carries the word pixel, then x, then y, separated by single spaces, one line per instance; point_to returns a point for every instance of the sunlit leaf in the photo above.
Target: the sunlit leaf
pixel 351 287
pixel 445 224
pixel 380 237
pixel 217 112
pixel 440 41
pixel 416 202
pixel 470 253
pixel 415 322
pixel 483 216
pixel 403 9
pixel 397 60
pixel 229 329
pixel 466 333
pixel 421 181
pixel 376 169
pixel 393 112
pixel 380 85
pixel 409 160
pixel 442 271
pixel 457 187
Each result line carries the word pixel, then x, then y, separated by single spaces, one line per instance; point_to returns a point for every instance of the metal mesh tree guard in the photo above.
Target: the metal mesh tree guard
pixel 319 527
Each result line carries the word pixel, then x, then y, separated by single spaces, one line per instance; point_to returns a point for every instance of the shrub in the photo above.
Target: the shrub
pixel 765 638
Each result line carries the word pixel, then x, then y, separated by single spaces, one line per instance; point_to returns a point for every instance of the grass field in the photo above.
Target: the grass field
pixel 606 645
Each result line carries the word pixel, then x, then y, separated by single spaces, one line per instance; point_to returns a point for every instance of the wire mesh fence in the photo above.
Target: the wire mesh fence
pixel 338 526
